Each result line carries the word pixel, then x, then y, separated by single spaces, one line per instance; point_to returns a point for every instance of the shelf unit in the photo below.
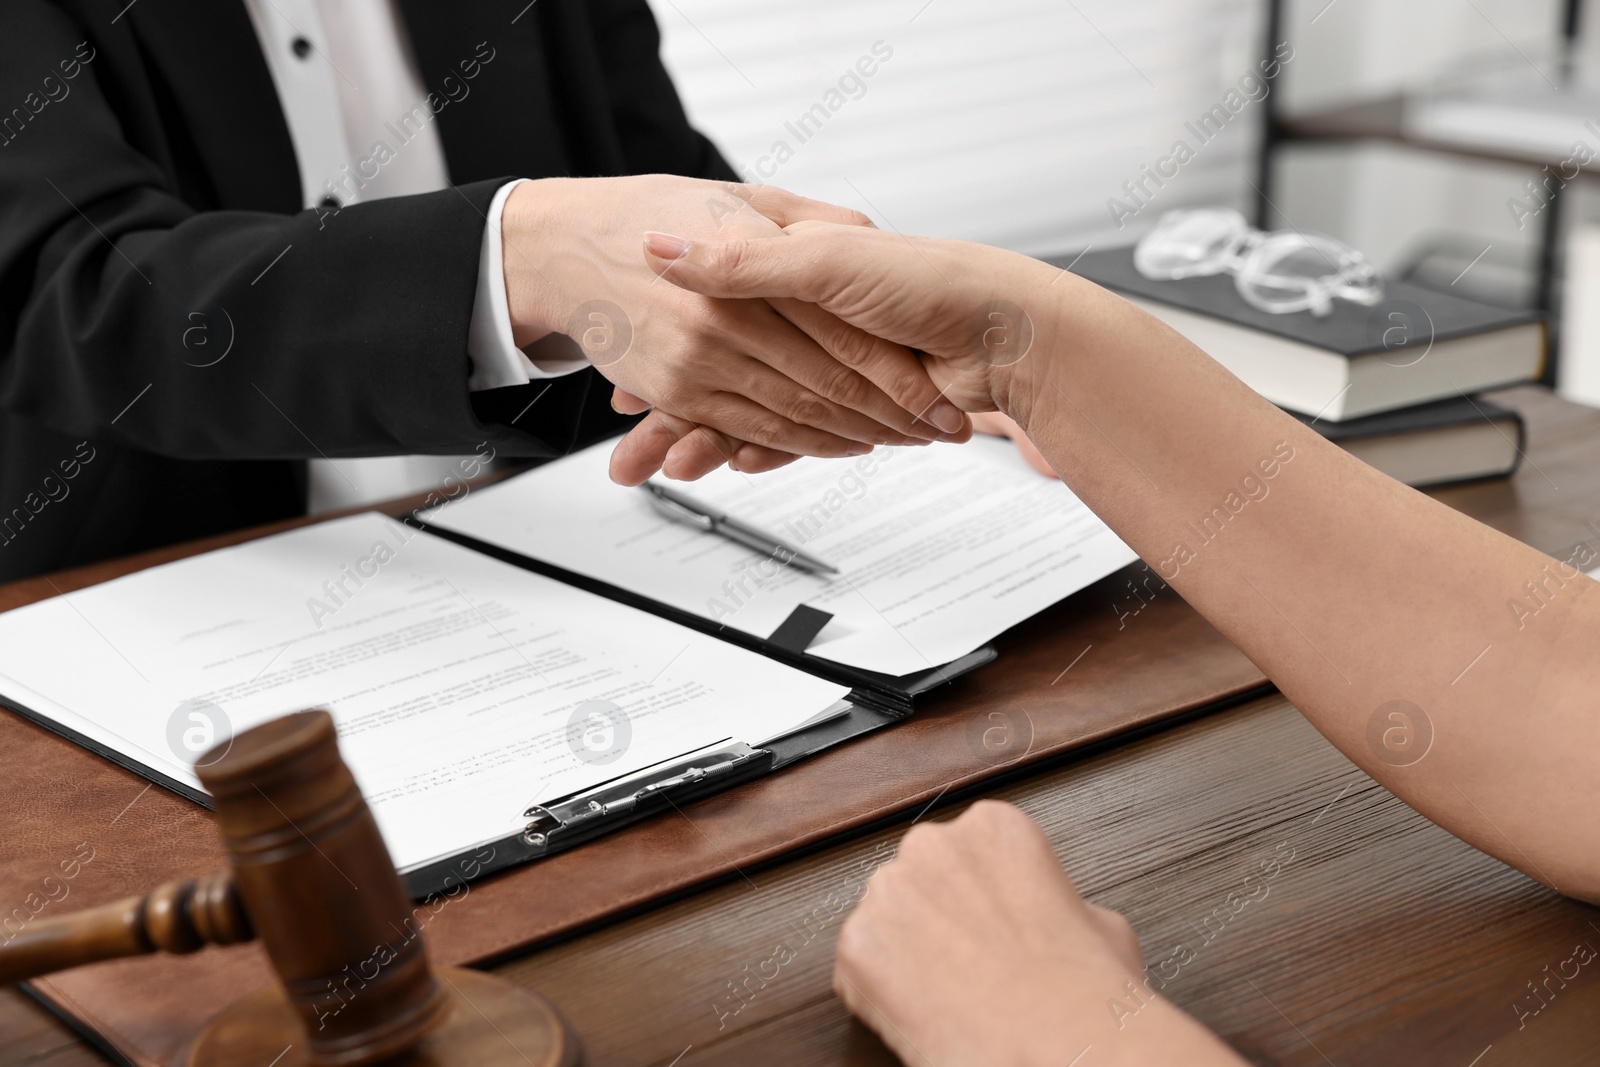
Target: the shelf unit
pixel 1384 120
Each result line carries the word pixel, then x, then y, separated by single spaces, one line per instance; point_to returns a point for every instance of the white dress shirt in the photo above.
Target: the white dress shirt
pixel 344 73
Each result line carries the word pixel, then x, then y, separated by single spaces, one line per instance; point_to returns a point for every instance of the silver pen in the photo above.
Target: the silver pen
pixel 685 509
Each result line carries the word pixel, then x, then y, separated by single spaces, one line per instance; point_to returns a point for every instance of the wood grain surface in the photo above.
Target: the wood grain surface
pixel 1383 940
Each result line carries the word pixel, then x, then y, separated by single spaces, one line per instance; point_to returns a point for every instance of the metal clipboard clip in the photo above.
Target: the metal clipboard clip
pixel 594 810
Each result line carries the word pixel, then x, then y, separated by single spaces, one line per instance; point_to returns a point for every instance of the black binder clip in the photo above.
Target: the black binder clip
pixel 587 814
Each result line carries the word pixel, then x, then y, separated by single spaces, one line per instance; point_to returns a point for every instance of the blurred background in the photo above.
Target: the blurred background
pixel 1411 130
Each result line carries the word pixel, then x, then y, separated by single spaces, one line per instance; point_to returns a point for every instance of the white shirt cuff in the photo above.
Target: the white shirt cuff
pixel 497 362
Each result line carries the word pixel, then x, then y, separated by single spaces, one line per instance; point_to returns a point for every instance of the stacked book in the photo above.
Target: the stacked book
pixel 1394 384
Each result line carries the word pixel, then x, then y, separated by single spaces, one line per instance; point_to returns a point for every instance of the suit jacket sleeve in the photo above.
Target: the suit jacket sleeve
pixel 128 316
pixel 655 132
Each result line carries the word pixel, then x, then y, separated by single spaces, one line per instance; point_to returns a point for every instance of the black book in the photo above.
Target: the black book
pixel 1452 440
pixel 1416 345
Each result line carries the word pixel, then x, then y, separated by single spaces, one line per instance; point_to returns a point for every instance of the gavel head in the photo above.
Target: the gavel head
pixel 321 891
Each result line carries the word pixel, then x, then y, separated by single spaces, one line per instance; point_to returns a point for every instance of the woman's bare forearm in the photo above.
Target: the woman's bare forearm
pixel 1454 664
pixel 1361 598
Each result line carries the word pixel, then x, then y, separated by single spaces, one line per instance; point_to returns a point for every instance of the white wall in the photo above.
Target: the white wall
pixel 1357 48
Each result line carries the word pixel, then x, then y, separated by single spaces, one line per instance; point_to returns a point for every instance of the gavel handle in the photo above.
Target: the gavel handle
pixel 178 917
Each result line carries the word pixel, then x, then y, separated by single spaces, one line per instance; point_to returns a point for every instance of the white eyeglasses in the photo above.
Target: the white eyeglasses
pixel 1280 272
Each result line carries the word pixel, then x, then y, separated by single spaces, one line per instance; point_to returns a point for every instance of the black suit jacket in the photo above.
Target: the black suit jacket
pixel 150 221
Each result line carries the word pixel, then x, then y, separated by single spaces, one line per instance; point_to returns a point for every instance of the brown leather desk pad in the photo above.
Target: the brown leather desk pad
pixel 1082 672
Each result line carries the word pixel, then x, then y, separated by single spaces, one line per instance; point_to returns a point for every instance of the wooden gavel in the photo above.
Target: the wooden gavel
pixel 312 880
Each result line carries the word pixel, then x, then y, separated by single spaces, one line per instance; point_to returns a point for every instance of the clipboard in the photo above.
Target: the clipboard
pixel 439 853
pixel 563 823
pixel 875 701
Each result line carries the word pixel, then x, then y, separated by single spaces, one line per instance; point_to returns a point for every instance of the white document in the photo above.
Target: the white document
pixel 464 689
pixel 940 547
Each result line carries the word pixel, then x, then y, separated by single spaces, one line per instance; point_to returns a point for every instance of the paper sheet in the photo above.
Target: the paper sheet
pixel 941 547
pixel 464 688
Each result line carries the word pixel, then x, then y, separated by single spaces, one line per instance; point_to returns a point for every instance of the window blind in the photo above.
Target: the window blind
pixel 1022 123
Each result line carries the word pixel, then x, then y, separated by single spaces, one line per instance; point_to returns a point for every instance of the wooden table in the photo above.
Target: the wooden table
pixel 1383 940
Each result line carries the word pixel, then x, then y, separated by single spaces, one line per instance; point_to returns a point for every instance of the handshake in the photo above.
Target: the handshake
pixel 756 326
pixel 785 327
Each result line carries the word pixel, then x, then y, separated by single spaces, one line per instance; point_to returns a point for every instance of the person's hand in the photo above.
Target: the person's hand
pixel 780 374
pixel 965 305
pixel 972 947
pixel 681 449
pixel 752 459
pixel 950 299
pixel 997 424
